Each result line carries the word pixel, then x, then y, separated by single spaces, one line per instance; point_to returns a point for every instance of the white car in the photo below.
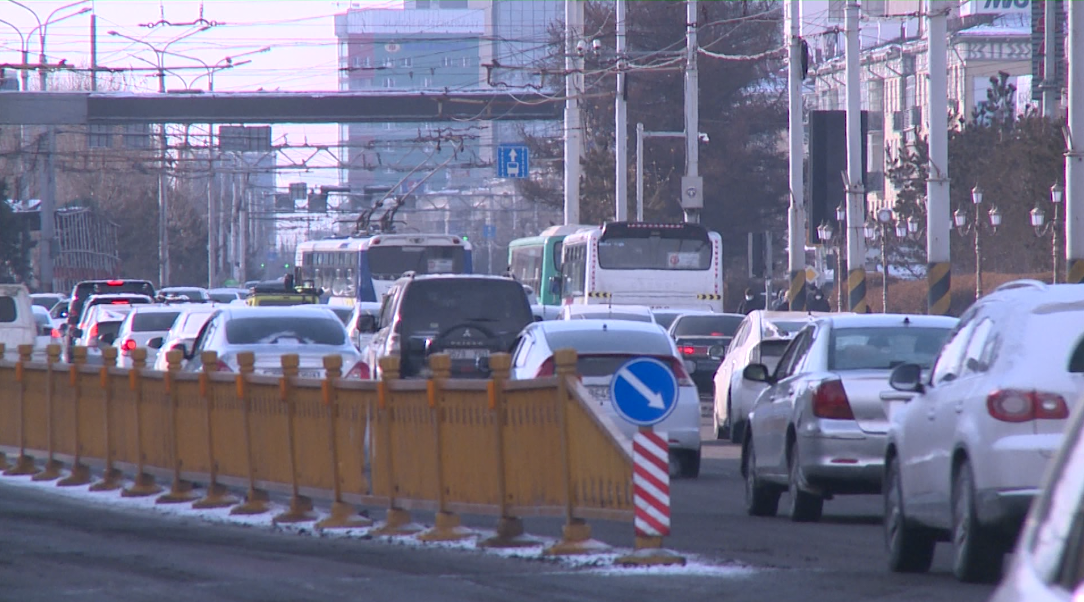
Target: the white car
pixel 632 313
pixel 227 295
pixel 47 300
pixel 970 440
pixel 99 328
pixel 603 347
pixel 760 339
pixel 185 328
pixel 44 329
pixel 361 336
pixel 17 322
pixel 145 326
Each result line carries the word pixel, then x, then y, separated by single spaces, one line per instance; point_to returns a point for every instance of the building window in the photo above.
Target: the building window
pixel 466 61
pixel 427 82
pixel 447 61
pixel 389 62
pixel 137 135
pixel 388 125
pixel 407 62
pixel 357 62
pixel 99 136
pixel 389 82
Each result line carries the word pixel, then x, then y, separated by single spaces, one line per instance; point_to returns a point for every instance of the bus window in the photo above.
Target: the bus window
pixel 526 265
pixel 646 248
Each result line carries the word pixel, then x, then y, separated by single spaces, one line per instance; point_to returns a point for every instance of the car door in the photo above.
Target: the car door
pixel 725 373
pixel 774 407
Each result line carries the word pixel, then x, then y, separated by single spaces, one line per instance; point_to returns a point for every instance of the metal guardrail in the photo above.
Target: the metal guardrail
pixel 492 447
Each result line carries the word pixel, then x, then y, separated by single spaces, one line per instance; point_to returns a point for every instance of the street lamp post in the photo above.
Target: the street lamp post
pixel 1043 227
pixel 826 234
pixel 959 218
pixel 881 229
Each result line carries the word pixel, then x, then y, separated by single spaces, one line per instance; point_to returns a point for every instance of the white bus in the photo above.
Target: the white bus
pixel 636 263
pixel 363 269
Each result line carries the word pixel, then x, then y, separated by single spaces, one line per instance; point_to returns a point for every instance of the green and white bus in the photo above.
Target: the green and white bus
pixel 536 261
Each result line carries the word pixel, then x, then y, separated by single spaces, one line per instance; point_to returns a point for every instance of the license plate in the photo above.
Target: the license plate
pixel 311 373
pixel 599 393
pixel 468 354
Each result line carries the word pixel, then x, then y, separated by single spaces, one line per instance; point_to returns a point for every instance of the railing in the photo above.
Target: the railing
pixel 493 447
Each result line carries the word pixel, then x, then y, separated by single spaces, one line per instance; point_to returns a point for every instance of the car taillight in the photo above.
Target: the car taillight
pixel 114 282
pixel 687 349
pixel 128 346
pixel 546 369
pixel 680 373
pixel 120 302
pixel 1011 405
pixel 360 371
pixel 830 401
pixel 93 331
pixel 54 333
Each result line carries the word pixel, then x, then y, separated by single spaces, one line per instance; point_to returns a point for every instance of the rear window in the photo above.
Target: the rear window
pixel 602 365
pixel 224 297
pixel 276 331
pixel 610 341
pixel 708 326
pixel 7 310
pixel 771 351
pixel 437 305
pixel 108 329
pixel 149 321
pixel 665 319
pixel 193 294
pixel 616 315
pixel 45 302
pixel 193 323
pixel 884 348
pixel 784 327
pixel 83 290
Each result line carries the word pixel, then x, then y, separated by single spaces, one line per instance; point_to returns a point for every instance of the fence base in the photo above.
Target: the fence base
pixel 300 511
pixel 217 497
pixel 256 502
pixel 448 527
pixel 180 492
pixel 576 539
pixel 344 516
pixel 4 465
pixel 50 473
pixel 142 486
pixel 111 481
pixel 24 465
pixel 80 475
pixel 397 523
pixel 509 535
pixel 649 552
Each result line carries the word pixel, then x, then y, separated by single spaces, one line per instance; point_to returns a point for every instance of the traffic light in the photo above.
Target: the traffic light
pixel 287 266
pixel 464 238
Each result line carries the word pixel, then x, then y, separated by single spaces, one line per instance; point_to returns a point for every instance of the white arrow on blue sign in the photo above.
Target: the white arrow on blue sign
pixel 644 391
pixel 513 161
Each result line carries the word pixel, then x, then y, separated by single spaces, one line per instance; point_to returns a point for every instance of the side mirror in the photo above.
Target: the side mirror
pixel 183 349
pixel 716 352
pixel 975 365
pixel 106 339
pixel 907 378
pixel 366 323
pixel 757 373
pixel 155 343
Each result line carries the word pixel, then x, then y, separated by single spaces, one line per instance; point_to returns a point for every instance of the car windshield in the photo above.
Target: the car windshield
pixel 611 341
pixel 708 326
pixel 434 306
pixel 59 310
pixel 390 262
pixel 615 315
pixel 153 321
pixel 665 318
pixel 343 313
pixel 771 351
pixel 298 330
pixel 782 328
pixel 193 294
pixel 46 302
pixel 884 347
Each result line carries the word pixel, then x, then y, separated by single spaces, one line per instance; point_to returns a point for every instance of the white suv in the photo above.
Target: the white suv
pixel 969 443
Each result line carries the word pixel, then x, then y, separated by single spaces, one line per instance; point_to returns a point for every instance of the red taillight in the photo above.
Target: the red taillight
pixel 222 366
pixel 114 282
pixel 678 366
pixel 54 333
pixel 128 346
pixel 120 302
pixel 830 401
pixel 1022 406
pixel 687 350
pixel 360 371
pixel 93 331
pixel 546 369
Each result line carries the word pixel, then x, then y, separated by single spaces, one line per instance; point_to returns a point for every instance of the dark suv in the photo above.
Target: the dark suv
pixel 467 317
pixel 87 288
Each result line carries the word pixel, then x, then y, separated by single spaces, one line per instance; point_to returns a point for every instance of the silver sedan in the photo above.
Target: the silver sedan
pixel 819 427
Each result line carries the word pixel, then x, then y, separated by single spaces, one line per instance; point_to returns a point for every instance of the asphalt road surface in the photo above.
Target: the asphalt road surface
pixel 57 548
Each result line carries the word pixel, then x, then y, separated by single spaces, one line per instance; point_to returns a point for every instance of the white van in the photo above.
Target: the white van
pixel 17 324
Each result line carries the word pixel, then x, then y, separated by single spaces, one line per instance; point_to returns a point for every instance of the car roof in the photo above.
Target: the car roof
pixel 616 309
pixel 597 324
pixel 268 311
pixel 427 277
pixel 111 314
pixel 879 320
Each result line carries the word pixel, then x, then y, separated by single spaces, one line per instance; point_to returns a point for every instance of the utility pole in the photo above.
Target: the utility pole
pixel 1074 158
pixel 93 52
pixel 692 185
pixel 938 218
pixel 856 194
pixel 621 137
pixel 212 217
pixel 47 211
pixel 1051 87
pixel 639 171
pixel 163 210
pixel 574 47
pixel 796 214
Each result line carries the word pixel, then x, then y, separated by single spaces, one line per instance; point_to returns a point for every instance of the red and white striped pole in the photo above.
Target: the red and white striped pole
pixel 651 498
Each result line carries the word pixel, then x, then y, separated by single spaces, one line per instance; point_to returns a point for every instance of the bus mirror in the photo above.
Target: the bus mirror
pixel 555 285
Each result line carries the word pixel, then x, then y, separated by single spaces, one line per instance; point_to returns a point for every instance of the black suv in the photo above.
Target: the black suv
pixel 467 317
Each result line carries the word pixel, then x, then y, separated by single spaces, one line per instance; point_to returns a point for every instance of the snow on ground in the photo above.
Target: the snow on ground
pixel 602 563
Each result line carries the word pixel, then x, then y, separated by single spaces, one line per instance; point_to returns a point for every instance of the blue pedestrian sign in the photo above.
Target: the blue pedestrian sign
pixel 489 231
pixel 513 161
pixel 644 391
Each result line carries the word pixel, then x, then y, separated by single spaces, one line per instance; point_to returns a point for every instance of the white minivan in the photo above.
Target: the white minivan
pixel 17 324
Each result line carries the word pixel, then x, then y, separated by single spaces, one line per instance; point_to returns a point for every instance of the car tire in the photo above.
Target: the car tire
pixel 737 427
pixel 761 499
pixel 977 551
pixel 805 507
pixel 910 548
pixel 688 463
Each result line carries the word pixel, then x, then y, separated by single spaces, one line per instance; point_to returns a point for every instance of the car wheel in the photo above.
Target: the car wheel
pixel 977 551
pixel 737 427
pixel 688 463
pixel 761 499
pixel 805 507
pixel 910 549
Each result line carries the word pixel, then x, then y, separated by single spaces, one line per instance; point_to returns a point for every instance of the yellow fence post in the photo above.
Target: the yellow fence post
pixel 52 465
pixel 180 491
pixel 256 501
pixel 397 521
pixel 510 532
pixel 143 485
pixel 111 480
pixel 448 526
pixel 576 533
pixel 25 465
pixel 343 515
pixel 4 464
pixel 300 510
pixel 217 496
pixel 80 473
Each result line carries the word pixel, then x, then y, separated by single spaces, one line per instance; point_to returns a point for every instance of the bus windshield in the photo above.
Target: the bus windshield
pixel 647 248
pixel 390 262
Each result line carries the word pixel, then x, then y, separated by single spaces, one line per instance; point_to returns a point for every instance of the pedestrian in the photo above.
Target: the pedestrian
pixel 750 303
pixel 815 300
pixel 289 282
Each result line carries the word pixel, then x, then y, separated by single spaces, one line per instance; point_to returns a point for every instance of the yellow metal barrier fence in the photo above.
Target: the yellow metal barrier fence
pixel 492 447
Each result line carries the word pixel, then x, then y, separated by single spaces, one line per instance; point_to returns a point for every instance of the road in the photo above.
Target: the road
pixel 56 548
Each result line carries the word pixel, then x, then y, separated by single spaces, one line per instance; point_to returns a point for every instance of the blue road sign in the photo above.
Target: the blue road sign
pixel 644 391
pixel 489 231
pixel 513 161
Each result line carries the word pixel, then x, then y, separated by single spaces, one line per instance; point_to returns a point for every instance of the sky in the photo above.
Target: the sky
pixel 301 34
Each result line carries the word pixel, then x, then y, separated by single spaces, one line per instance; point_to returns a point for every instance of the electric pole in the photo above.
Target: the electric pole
pixel 692 185
pixel 575 47
pixel 621 141
pixel 856 194
pixel 796 213
pixel 938 218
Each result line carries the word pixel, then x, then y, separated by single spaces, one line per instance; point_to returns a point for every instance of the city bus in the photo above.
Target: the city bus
pixel 636 263
pixel 536 260
pixel 364 268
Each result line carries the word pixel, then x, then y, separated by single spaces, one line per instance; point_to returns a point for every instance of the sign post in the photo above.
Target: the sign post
pixel 644 392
